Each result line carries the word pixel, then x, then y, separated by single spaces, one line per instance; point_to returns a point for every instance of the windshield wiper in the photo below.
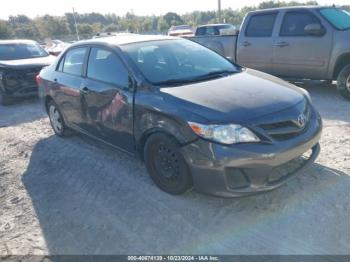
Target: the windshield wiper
pixel 174 82
pixel 208 76
pixel 346 28
pixel 215 74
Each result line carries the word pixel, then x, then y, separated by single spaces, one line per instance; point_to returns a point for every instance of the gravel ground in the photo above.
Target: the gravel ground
pixel 73 196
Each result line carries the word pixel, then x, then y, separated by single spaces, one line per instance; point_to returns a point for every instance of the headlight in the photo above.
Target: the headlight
pixel 225 134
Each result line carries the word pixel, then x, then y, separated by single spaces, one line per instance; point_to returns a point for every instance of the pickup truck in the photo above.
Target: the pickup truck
pixel 294 43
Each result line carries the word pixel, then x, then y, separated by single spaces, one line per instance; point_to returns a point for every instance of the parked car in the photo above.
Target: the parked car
pixel 195 118
pixel 181 31
pixel 216 29
pixel 295 43
pixel 20 62
pixel 55 47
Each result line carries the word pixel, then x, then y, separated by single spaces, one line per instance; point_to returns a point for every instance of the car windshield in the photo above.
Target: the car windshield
pixel 339 18
pixel 21 51
pixel 172 62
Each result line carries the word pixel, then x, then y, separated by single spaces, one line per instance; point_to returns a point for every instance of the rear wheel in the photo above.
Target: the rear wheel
pixel 4 99
pixel 57 121
pixel 344 82
pixel 166 164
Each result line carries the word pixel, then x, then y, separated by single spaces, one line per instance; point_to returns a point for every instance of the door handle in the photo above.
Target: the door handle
pixel 246 43
pixel 281 44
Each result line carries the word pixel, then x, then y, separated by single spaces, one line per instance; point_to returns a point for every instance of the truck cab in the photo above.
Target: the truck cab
pixel 295 43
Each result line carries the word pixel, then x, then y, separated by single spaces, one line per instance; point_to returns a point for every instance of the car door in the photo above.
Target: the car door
pixel 108 99
pixel 68 81
pixel 298 54
pixel 254 46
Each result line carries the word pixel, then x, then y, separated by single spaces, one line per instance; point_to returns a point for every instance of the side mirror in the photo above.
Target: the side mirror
pixel 314 30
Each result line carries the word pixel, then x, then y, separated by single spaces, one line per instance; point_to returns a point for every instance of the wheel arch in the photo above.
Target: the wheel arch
pixel 47 100
pixel 155 122
pixel 342 61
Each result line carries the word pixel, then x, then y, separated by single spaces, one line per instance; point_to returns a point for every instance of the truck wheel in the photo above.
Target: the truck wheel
pixel 4 99
pixel 57 121
pixel 344 82
pixel 166 164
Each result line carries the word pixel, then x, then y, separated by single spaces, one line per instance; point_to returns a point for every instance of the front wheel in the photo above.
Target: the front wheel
pixel 57 121
pixel 166 164
pixel 344 82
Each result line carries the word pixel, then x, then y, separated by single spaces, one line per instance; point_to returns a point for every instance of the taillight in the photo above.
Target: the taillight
pixel 38 79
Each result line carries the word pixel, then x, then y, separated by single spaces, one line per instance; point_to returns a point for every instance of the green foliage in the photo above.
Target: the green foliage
pixel 4 30
pixel 21 26
pixel 85 29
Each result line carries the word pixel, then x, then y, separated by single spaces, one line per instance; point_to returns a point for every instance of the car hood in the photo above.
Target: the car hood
pixel 25 63
pixel 237 98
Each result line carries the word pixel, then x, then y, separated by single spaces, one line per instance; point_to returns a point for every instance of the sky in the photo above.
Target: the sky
pixel 33 8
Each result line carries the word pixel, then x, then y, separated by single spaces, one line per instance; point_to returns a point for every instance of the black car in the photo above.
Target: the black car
pixel 196 119
pixel 20 63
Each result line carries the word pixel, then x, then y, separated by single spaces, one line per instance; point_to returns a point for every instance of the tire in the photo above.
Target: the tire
pixel 166 164
pixel 343 82
pixel 56 120
pixel 4 99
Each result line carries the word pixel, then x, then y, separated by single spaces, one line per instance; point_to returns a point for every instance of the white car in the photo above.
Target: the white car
pixel 181 31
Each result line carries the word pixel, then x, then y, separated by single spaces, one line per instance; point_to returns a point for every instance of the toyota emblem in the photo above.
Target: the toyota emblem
pixel 301 120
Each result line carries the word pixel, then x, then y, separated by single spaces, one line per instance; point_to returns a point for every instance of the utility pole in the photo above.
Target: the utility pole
pixel 75 24
pixel 219 10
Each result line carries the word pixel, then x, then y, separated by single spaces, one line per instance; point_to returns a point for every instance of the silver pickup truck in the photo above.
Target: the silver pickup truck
pixel 295 43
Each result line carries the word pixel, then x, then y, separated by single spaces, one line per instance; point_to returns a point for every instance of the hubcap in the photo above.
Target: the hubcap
pixel 167 163
pixel 348 83
pixel 55 118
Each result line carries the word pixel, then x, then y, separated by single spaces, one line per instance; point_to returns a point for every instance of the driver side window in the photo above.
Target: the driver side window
pixel 294 23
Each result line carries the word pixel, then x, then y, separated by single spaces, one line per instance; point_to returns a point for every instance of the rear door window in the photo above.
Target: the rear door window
pixel 294 23
pixel 261 25
pixel 105 66
pixel 74 61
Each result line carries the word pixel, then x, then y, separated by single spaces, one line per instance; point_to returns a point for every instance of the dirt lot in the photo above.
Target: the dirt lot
pixel 72 196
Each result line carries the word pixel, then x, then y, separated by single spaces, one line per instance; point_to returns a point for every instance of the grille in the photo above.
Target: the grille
pixel 287 129
pixel 22 77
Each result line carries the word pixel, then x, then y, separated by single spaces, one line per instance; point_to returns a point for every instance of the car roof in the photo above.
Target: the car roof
pixel 119 40
pixel 16 41
pixel 306 7
pixel 210 25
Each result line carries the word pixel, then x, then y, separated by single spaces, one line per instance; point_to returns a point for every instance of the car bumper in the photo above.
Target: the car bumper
pixel 245 169
pixel 22 92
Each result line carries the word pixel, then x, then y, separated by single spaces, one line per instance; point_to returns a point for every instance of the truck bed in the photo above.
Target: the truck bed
pixel 225 45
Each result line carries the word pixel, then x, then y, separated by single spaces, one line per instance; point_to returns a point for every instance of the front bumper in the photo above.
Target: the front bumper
pixel 245 169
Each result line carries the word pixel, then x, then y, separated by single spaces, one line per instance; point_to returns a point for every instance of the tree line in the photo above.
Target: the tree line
pixel 63 27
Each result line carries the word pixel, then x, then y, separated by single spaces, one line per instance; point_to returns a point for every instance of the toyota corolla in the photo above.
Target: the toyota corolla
pixel 196 119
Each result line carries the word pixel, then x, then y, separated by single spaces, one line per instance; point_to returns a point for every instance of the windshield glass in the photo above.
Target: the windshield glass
pixel 177 61
pixel 339 18
pixel 21 51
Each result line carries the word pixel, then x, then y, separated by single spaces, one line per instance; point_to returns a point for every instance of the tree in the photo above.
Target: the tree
pixel 172 19
pixel 85 29
pixel 162 25
pixel 19 20
pixel 5 32
pixel 111 28
pixel 21 26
